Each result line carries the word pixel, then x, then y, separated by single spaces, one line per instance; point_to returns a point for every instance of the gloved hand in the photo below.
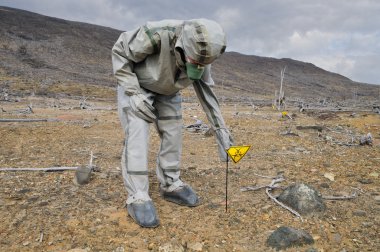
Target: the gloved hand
pixel 141 106
pixel 225 141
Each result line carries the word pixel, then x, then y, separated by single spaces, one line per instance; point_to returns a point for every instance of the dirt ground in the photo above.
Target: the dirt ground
pixel 46 211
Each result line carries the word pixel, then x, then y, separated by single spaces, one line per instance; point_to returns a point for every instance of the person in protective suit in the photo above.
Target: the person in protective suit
pixel 152 64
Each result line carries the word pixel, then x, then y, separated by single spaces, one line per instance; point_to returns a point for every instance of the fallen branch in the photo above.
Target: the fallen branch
pixel 344 197
pixel 313 127
pixel 269 187
pixel 39 169
pixel 91 166
pixel 282 204
pixel 252 188
pixel 26 120
pixel 262 176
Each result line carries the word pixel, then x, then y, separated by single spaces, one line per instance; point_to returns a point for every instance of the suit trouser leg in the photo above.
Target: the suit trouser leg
pixel 135 153
pixel 169 126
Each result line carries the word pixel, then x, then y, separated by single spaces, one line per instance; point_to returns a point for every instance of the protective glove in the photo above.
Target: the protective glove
pixel 143 109
pixel 225 141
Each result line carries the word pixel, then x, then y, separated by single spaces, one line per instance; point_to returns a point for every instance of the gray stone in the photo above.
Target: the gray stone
pixel 337 238
pixel 367 224
pixel 119 249
pixel 377 199
pixel 303 198
pixel 82 175
pixel 285 237
pixel 359 212
pixel 365 181
pixel 311 250
pixel 197 246
pixel 324 185
pixel 169 247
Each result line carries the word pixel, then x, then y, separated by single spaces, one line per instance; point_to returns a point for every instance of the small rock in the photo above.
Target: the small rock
pixel 82 175
pixel 151 246
pixel 374 174
pixel 103 175
pixel 330 176
pixel 302 198
pixel 377 199
pixel 78 250
pixel 197 246
pixel 311 250
pixel 285 237
pixel 170 247
pixel 119 249
pixel 367 224
pixel 365 181
pixel 337 238
pixel 324 185
pixel 26 243
pixel 366 140
pixel 359 213
pixel 266 208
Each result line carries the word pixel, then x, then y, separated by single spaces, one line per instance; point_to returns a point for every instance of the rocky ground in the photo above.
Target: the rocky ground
pixel 46 211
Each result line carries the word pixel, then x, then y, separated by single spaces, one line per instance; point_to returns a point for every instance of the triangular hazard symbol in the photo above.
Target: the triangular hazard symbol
pixel 237 152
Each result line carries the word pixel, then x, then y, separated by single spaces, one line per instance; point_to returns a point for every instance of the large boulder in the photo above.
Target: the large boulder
pixel 285 237
pixel 303 198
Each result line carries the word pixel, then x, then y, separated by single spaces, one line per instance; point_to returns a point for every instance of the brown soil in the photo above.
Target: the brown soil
pixel 45 211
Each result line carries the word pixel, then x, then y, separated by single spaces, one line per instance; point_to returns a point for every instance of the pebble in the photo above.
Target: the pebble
pixel 103 175
pixel 119 249
pixel 330 176
pixel 367 224
pixel 377 199
pixel 311 250
pixel 285 237
pixel 359 212
pixel 365 181
pixel 79 250
pixel 197 246
pixel 266 208
pixel 151 246
pixel 374 174
pixel 337 238
pixel 171 247
pixel 324 185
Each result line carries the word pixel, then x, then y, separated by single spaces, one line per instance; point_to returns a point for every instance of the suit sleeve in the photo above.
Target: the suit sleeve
pixel 211 107
pixel 132 47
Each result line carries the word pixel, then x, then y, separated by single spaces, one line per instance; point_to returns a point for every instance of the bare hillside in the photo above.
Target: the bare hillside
pixel 49 56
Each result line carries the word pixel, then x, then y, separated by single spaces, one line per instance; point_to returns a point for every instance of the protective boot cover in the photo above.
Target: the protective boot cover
pixel 183 195
pixel 144 213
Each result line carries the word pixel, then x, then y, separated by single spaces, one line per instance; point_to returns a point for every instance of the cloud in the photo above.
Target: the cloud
pixel 341 36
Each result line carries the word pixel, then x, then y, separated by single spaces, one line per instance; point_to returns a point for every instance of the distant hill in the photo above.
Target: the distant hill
pixel 49 56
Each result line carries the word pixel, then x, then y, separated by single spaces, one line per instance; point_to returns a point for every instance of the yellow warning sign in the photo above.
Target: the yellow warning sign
pixel 237 152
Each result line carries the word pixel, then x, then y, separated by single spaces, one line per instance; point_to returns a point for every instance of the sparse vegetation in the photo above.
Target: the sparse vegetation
pixel 67 77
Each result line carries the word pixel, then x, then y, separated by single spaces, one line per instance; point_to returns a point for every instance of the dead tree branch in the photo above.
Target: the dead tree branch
pixel 26 120
pixel 344 197
pixel 40 169
pixel 282 204
pixel 268 188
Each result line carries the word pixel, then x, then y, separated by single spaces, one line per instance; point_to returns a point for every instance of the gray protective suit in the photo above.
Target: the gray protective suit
pixel 149 64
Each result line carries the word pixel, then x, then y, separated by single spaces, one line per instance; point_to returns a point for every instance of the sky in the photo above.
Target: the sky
pixel 341 36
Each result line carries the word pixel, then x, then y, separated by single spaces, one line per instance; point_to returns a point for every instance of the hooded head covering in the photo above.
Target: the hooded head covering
pixel 202 41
